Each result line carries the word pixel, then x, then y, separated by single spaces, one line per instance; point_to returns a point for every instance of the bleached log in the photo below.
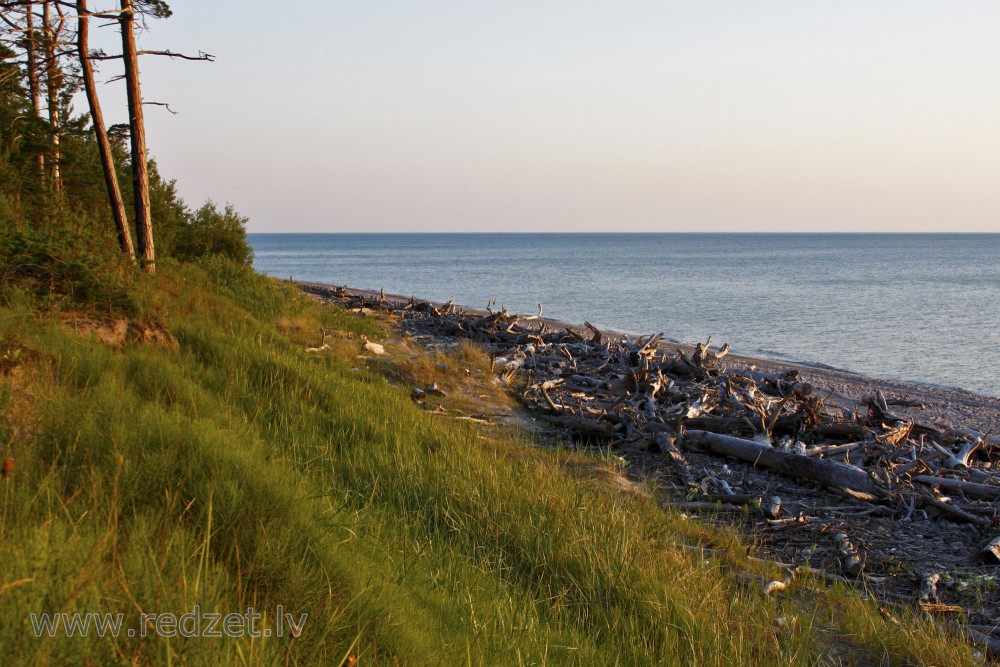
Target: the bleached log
pixel 987 438
pixel 831 450
pixel 957 513
pixel 991 552
pixel 991 645
pixel 928 588
pixel 824 471
pixel 771 508
pixel 850 560
pixel 951 460
pixel 987 491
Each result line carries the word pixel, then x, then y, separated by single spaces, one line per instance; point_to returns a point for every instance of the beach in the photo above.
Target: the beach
pixel 889 533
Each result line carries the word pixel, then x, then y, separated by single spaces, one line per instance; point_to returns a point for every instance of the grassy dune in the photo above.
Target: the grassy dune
pixel 234 469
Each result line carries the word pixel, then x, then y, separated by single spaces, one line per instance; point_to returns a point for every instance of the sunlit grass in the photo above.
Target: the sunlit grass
pixel 240 470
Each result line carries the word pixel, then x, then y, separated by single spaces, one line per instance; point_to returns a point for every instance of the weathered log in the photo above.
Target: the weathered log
pixel 968 488
pixel 824 471
pixel 928 588
pixel 548 399
pixel 832 450
pixel 598 336
pixel 732 499
pixel 967 450
pixel 991 645
pixel 987 438
pixel 850 560
pixel 548 384
pixel 991 552
pixel 958 513
pixel 668 447
pixel 771 508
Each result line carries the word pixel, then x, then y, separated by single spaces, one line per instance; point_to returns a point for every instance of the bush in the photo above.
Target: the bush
pixel 64 263
pixel 209 232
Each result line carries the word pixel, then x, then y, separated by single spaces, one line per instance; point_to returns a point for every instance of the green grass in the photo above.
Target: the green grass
pixel 237 470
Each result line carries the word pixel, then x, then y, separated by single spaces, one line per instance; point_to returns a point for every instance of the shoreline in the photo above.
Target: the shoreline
pixel 858 306
pixel 955 407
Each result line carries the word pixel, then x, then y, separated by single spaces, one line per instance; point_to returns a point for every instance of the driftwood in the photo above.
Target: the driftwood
pixel 851 561
pixel 991 552
pixel 824 471
pixel 968 488
pixel 620 389
pixel 771 508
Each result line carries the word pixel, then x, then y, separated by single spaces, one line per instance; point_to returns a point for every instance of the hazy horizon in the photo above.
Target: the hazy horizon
pixel 627 233
pixel 588 116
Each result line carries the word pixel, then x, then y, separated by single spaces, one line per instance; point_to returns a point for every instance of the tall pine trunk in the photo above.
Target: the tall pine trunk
pixel 33 89
pixel 103 144
pixel 140 176
pixel 53 81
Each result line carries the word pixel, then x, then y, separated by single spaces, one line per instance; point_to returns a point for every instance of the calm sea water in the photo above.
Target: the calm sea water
pixel 920 308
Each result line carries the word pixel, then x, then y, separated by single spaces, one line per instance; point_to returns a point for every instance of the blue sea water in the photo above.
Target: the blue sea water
pixel 919 308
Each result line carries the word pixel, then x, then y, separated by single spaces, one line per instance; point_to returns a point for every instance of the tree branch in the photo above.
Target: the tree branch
pixel 171 54
pixel 161 104
pixel 13 25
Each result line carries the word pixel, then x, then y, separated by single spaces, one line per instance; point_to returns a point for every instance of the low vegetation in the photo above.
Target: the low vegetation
pixel 218 465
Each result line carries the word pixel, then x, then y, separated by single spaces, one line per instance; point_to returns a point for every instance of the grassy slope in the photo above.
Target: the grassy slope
pixel 236 469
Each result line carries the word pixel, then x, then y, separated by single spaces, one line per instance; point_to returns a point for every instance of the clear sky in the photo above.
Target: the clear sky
pixel 703 115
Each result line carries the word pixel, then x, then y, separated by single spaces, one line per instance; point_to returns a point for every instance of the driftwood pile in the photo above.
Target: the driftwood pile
pixel 677 403
pixel 634 389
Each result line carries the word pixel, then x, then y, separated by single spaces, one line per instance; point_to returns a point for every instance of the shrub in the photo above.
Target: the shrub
pixel 210 232
pixel 66 263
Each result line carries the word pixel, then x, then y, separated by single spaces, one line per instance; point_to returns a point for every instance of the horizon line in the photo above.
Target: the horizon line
pixel 637 233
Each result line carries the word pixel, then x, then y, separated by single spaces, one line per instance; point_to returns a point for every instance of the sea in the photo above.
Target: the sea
pixel 922 308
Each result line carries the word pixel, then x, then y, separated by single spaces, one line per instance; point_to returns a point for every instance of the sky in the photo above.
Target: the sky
pixel 559 116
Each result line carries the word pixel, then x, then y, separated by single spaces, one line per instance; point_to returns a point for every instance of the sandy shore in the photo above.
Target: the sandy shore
pixel 937 405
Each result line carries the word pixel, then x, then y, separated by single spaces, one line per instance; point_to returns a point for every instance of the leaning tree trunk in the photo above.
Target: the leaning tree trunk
pixel 103 144
pixel 140 176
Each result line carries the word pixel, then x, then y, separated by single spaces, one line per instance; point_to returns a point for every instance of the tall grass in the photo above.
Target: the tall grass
pixel 237 470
